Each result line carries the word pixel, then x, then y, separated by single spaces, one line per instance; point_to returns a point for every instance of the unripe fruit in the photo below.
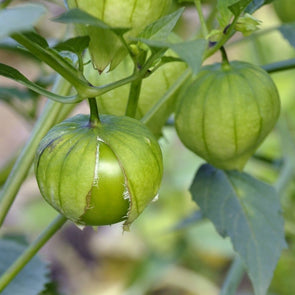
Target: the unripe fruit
pixel 226 112
pixel 153 88
pixel 98 175
pixel 105 47
pixel 285 10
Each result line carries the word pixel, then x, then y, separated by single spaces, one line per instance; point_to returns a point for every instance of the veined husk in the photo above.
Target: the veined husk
pixel 105 47
pixel 68 164
pixel 226 113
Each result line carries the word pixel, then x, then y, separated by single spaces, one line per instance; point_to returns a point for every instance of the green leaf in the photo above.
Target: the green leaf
pixel 256 4
pixel 77 16
pixel 238 7
pixel 76 45
pixel 288 31
pixel 19 18
pixel 161 29
pixel 190 51
pixel 249 212
pixel 36 38
pixel 15 75
pixel 33 277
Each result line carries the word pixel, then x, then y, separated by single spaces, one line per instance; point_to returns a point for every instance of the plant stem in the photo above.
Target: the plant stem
pixel 134 93
pixel 233 278
pixel 169 93
pixel 202 19
pixel 287 171
pixel 6 168
pixel 26 157
pixel 226 36
pixel 280 66
pixel 225 61
pixel 94 116
pixel 55 61
pixel 286 175
pixel 31 251
pixel 135 86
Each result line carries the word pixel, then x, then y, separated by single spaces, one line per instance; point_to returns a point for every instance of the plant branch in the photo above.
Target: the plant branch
pixel 134 93
pixel 31 251
pixel 202 19
pixel 229 31
pixel 233 278
pixel 135 86
pixel 280 66
pixel 171 91
pixel 97 91
pixel 287 169
pixel 26 157
pixel 55 61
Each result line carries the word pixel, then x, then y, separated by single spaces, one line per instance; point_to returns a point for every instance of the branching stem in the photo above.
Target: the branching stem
pixel 202 19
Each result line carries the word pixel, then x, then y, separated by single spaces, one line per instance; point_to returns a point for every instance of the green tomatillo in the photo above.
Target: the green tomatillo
pixel 226 112
pixel 105 47
pixel 285 10
pixel 99 175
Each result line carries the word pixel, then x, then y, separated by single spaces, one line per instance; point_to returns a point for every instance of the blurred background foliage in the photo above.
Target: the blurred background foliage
pixel 170 248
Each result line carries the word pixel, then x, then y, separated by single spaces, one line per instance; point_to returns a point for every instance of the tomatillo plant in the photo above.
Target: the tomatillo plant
pixel 140 79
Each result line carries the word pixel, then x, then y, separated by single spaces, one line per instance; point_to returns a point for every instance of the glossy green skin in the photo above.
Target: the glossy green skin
pixel 152 89
pixel 285 9
pixel 133 14
pixel 226 112
pixel 99 175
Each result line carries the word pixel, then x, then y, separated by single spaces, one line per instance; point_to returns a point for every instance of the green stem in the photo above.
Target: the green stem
pixel 97 91
pixel 26 157
pixel 226 36
pixel 286 175
pixel 225 61
pixel 55 61
pixel 71 74
pixel 202 19
pixel 170 92
pixel 94 116
pixel 233 278
pixel 31 251
pixel 135 86
pixel 5 170
pixel 134 93
pixel 280 66
pixel 123 41
pixel 287 171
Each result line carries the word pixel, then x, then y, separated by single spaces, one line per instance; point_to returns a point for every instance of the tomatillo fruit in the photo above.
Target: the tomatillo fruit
pixel 99 175
pixel 105 46
pixel 226 113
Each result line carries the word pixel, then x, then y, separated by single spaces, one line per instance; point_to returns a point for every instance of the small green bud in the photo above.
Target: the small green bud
pixel 247 24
